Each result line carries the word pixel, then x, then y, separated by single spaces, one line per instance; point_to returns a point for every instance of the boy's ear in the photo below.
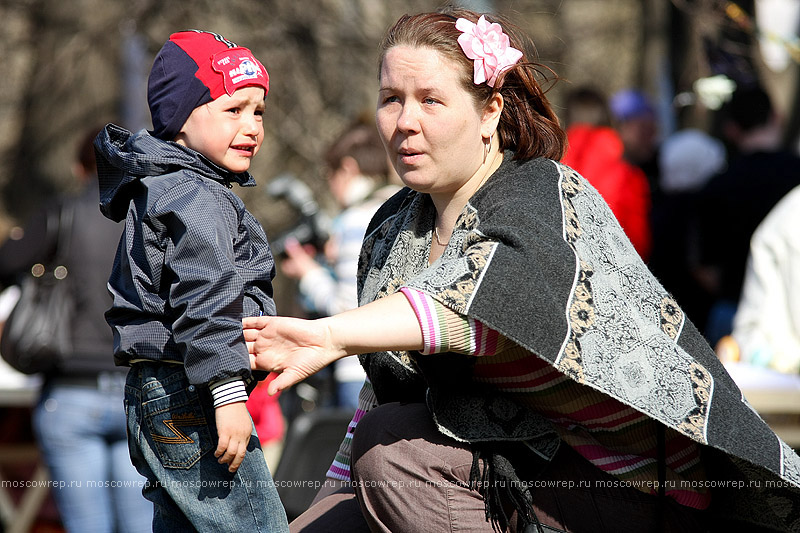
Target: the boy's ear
pixel 180 138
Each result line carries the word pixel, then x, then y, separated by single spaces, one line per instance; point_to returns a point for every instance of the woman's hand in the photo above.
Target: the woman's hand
pixel 296 348
pixel 293 348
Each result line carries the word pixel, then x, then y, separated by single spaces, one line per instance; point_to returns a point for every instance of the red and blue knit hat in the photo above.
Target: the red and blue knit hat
pixel 193 68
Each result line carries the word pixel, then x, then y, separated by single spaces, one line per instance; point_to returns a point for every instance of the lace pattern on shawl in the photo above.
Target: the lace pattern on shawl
pixel 618 316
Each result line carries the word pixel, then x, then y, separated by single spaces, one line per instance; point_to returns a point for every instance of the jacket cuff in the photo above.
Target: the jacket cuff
pixel 227 391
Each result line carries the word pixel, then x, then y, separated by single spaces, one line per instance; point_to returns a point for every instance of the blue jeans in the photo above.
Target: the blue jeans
pixel 720 320
pixel 82 436
pixel 347 393
pixel 172 439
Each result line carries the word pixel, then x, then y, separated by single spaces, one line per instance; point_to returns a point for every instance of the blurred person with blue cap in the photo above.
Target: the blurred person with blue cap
pixel 636 122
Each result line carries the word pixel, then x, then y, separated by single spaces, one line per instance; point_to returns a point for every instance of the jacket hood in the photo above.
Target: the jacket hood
pixel 124 158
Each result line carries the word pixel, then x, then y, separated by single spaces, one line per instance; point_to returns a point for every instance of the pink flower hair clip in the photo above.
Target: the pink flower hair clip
pixel 488 46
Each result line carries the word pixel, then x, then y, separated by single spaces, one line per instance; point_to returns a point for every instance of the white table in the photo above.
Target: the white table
pixel 774 395
pixel 17 390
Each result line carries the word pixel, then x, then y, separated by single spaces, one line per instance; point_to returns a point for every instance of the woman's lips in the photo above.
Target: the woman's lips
pixel 409 157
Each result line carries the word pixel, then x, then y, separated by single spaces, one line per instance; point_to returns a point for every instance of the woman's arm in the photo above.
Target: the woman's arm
pixel 297 348
pixel 433 326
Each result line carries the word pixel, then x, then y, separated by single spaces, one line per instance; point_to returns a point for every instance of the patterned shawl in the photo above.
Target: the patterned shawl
pixel 538 256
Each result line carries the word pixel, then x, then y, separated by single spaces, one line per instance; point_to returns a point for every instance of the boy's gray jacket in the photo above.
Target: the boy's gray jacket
pixel 192 261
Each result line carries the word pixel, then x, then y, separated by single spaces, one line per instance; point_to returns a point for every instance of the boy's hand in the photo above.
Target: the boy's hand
pixel 234 427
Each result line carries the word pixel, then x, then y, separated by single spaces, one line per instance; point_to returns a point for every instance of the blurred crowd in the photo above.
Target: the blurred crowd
pixel 709 211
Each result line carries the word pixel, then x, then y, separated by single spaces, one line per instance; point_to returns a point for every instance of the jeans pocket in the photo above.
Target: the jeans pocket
pixel 178 428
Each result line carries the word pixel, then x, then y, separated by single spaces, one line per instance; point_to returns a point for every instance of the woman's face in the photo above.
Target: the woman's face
pixel 429 123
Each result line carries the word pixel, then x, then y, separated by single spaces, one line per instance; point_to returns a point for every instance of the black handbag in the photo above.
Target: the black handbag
pixel 36 335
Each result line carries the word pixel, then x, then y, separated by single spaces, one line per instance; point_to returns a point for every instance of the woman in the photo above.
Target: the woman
pixel 524 367
pixel 79 418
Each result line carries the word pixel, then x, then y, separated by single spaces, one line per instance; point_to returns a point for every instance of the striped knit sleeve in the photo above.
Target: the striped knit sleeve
pixel 340 469
pixel 444 330
pixel 228 391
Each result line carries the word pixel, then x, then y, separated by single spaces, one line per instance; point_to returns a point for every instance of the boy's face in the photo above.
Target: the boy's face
pixel 228 130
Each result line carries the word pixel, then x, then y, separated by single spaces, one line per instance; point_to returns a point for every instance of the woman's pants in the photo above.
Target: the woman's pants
pixel 409 477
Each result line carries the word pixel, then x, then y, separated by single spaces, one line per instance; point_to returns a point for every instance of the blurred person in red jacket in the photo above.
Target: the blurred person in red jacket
pixel 596 151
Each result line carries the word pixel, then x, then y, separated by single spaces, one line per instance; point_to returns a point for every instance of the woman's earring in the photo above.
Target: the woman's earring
pixel 488 146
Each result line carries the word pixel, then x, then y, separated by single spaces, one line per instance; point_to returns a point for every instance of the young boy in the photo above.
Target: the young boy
pixel 191 263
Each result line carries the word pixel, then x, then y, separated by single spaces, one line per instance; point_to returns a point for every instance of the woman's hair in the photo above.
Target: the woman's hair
pixel 528 126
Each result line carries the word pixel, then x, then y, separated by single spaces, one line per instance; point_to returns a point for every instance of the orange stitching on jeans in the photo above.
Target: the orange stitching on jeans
pixel 180 437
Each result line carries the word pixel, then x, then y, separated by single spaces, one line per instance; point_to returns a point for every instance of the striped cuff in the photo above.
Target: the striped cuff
pixel 444 330
pixel 227 391
pixel 433 335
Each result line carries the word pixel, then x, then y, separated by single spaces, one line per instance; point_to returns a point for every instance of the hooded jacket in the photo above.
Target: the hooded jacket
pixel 192 261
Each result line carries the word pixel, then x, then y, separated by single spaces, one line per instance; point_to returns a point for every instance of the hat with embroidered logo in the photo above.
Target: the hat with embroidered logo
pixel 193 68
